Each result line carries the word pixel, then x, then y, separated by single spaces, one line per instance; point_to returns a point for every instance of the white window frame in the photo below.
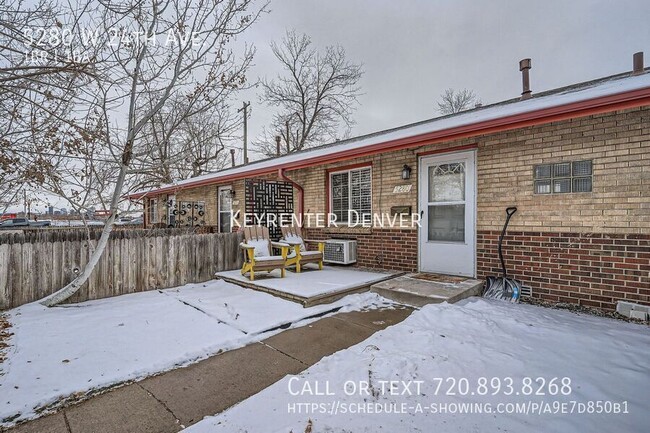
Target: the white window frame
pixel 152 213
pixel 219 189
pixel 331 192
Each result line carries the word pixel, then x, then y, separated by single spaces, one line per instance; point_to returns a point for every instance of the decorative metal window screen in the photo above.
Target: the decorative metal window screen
pixel 351 190
pixel 171 206
pixel 186 213
pixel 264 198
pixel 563 177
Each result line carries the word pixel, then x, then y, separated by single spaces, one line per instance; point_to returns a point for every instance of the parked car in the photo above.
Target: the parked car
pixel 14 223
pixel 133 222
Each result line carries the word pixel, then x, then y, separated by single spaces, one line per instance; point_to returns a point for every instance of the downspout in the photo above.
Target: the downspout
pixel 301 193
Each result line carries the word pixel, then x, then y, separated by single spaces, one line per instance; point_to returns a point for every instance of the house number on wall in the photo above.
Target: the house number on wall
pixel 402 189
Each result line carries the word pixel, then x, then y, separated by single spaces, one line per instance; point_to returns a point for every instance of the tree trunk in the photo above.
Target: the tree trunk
pixel 74 286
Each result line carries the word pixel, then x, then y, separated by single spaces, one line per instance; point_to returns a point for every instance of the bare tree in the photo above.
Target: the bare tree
pixel 195 146
pixel 146 58
pixel 455 101
pixel 39 82
pixel 316 95
pixel 188 137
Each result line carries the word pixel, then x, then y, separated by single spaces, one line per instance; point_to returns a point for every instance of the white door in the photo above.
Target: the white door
pixel 225 209
pixel 447 203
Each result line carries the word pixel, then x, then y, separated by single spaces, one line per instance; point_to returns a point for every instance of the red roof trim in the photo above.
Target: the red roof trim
pixel 620 101
pixel 449 149
pixel 349 167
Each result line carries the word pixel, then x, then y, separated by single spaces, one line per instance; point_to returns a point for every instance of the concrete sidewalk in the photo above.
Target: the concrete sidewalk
pixel 179 398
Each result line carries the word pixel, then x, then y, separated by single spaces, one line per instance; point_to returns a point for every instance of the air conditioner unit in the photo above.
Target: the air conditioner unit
pixel 341 251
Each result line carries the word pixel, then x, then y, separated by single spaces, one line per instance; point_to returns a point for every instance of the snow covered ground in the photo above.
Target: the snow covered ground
pixel 494 356
pixel 57 352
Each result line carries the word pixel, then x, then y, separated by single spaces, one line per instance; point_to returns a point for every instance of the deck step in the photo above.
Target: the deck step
pixel 422 289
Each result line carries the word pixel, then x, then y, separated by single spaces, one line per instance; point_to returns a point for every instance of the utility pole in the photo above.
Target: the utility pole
pixel 244 108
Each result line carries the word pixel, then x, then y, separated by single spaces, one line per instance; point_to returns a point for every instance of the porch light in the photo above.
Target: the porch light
pixel 406 172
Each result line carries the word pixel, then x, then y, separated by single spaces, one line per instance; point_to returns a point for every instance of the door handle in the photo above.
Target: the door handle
pixel 421 214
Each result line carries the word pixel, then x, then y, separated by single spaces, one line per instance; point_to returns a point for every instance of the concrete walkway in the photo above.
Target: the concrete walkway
pixel 179 398
pixel 423 288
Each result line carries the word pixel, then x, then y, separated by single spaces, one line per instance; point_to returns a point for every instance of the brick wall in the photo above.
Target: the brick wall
pixel 610 225
pixel 590 269
pixel 386 174
pixel 619 145
pixel 392 249
pixel 587 248
pixel 384 248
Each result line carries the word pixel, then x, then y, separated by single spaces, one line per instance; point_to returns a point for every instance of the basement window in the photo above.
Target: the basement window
pixel 563 177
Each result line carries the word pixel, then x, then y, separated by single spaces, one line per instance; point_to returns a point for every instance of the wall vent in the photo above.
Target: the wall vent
pixel 526 292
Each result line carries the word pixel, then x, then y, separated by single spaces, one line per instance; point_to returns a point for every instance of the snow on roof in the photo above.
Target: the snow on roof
pixel 555 98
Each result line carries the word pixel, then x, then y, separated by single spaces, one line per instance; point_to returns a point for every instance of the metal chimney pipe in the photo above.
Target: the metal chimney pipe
pixel 637 62
pixel 277 145
pixel 524 67
pixel 232 157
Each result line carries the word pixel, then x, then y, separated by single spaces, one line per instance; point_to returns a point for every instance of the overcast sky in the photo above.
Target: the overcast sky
pixel 414 49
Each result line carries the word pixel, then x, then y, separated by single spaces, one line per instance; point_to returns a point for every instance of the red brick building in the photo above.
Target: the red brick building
pixel 575 161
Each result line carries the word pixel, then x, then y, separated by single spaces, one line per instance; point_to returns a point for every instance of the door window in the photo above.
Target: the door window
pixel 446 206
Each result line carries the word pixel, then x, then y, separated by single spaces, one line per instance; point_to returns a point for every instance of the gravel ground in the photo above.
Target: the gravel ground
pixel 580 309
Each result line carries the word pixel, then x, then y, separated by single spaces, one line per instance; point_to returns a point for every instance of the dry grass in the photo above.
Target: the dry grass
pixel 5 334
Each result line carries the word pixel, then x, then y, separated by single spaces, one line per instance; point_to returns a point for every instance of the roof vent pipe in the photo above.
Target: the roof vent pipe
pixel 524 67
pixel 277 145
pixel 232 157
pixel 637 63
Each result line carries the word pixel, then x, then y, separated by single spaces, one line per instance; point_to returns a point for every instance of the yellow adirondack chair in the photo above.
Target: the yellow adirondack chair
pixel 258 252
pixel 299 255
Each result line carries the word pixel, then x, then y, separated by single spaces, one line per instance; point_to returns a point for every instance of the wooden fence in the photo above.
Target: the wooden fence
pixel 34 264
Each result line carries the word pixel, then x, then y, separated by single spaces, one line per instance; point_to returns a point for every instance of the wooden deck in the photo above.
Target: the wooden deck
pixel 274 285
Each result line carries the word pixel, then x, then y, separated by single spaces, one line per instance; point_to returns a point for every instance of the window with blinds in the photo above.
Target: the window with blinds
pixel 351 190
